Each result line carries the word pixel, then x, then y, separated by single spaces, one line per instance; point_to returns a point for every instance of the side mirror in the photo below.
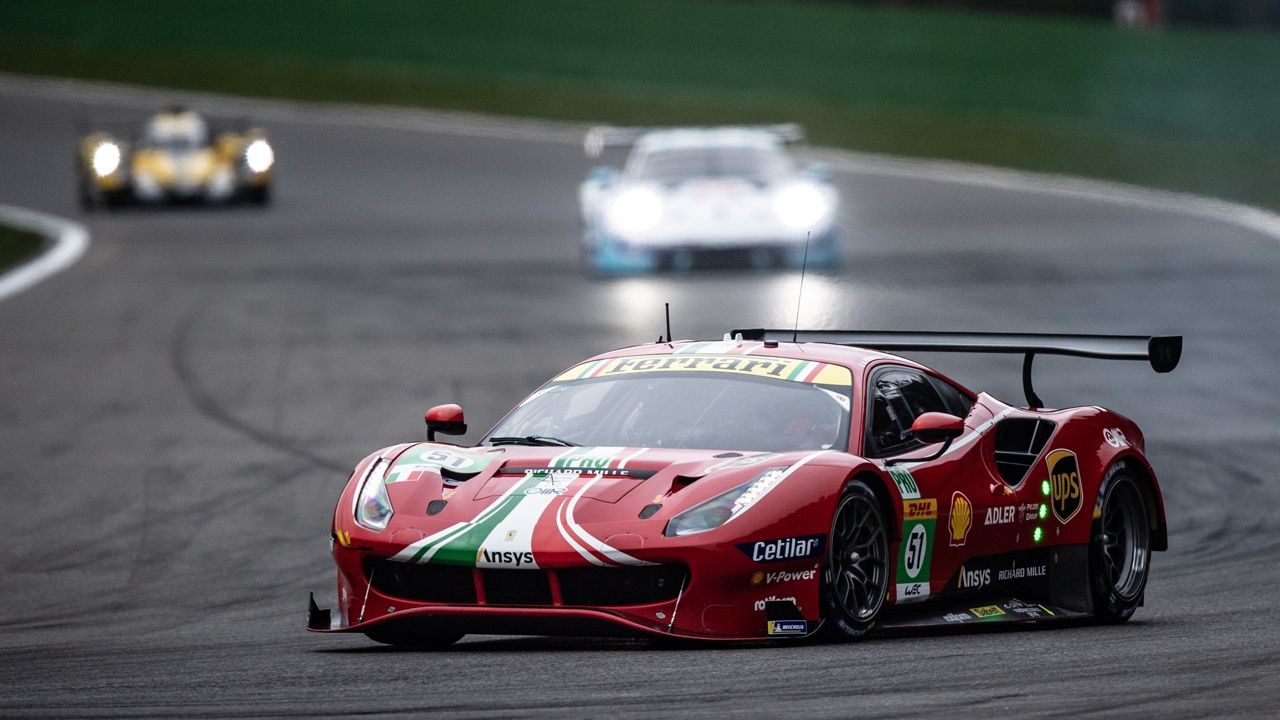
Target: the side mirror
pixel 818 171
pixel 602 175
pixel 446 420
pixel 936 427
pixel 930 428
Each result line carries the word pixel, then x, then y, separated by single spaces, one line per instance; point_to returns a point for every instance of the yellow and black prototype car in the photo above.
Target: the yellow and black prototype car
pixel 175 157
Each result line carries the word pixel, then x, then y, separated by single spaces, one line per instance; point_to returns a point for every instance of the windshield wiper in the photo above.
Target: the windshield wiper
pixel 531 440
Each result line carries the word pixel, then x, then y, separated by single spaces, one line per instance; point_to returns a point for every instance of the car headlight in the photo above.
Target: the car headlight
pixel 726 506
pixel 259 156
pixel 801 205
pixel 106 159
pixel 634 210
pixel 373 506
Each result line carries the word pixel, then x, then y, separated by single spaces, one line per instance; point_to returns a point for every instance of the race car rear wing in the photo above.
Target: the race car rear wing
pixel 603 136
pixel 129 130
pixel 1162 351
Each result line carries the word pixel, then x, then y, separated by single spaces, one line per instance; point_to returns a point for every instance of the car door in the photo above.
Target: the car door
pixel 946 500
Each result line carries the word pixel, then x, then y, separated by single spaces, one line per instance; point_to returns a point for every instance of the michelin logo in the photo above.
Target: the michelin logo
pixel 782 549
pixel 788 627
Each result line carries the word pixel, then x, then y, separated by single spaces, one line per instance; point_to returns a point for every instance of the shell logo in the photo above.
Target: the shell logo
pixel 961 518
pixel 757 578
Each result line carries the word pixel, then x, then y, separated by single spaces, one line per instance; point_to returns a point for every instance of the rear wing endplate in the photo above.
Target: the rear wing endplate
pixel 1162 351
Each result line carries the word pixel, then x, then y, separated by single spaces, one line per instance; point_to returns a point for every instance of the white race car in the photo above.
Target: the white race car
pixel 705 197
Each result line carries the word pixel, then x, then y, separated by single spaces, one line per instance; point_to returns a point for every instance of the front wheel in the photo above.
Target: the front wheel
pixel 1120 551
pixel 856 577
pixel 260 194
pixel 410 638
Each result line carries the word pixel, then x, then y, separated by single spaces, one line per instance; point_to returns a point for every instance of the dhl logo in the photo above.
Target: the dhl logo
pixel 920 509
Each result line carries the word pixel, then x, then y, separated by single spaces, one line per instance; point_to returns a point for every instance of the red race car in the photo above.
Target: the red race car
pixel 777 484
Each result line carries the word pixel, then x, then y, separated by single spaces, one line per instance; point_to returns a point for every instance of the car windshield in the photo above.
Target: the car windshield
pixel 699 409
pixel 752 163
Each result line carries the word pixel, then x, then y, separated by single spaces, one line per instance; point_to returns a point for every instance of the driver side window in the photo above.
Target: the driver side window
pixel 898 396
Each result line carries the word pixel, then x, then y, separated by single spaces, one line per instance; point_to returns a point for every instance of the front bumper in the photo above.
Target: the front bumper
pixel 615 256
pixel 721 595
pixel 567 621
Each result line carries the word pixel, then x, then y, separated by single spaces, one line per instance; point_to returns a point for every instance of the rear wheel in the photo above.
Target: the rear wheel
pixel 1120 552
pixel 857 571
pixel 412 639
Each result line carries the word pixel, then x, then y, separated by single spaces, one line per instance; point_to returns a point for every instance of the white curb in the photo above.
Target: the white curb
pixel 70 240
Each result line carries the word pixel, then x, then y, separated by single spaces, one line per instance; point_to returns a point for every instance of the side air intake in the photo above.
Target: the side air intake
pixel 1019 442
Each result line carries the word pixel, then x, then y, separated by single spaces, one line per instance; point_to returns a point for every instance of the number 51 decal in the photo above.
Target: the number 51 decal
pixel 919 519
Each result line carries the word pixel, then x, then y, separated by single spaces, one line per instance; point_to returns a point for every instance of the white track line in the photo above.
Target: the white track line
pixel 69 241
pixel 1240 215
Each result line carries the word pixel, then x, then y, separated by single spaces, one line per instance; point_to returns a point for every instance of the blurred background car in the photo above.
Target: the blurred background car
pixel 175 157
pixel 705 197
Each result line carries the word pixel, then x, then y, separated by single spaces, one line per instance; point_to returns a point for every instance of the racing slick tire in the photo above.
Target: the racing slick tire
pixel 410 638
pixel 91 198
pixel 1120 548
pixel 856 573
pixel 260 195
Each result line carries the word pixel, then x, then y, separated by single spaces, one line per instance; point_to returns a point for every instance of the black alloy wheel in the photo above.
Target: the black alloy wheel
pixel 1120 554
pixel 857 570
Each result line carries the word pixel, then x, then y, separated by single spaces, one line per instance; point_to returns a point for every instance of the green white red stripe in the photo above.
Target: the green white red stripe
pixel 506 532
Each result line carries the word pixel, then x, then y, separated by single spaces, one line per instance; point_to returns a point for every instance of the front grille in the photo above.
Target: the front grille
pixel 593 586
pixel 425 583
pixel 720 258
pixel 621 585
pixel 516 587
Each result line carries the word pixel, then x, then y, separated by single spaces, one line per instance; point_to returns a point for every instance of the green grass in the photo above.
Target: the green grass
pixel 17 245
pixel 1189 109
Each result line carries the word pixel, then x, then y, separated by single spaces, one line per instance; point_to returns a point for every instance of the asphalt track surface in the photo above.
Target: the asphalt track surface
pixel 179 411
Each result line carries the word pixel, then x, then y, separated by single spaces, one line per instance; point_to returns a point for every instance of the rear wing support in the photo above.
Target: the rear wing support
pixel 1162 351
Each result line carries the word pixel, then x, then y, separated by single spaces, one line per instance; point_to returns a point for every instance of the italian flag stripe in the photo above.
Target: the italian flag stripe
pixel 487 519
pixel 797 371
pixel 814 372
pixel 599 368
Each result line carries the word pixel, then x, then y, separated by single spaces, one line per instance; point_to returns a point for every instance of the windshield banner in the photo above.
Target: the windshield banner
pixel 805 371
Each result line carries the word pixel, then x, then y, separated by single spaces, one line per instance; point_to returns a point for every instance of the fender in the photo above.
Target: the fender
pixel 859 468
pixel 1123 442
pixel 350 489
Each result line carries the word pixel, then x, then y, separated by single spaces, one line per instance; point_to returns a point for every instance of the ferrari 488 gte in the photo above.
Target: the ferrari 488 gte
pixel 776 484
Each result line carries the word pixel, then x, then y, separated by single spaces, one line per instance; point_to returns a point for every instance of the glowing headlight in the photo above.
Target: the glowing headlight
pixel 634 210
pixel 373 506
pixel 259 156
pixel 801 205
pixel 726 506
pixel 106 158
